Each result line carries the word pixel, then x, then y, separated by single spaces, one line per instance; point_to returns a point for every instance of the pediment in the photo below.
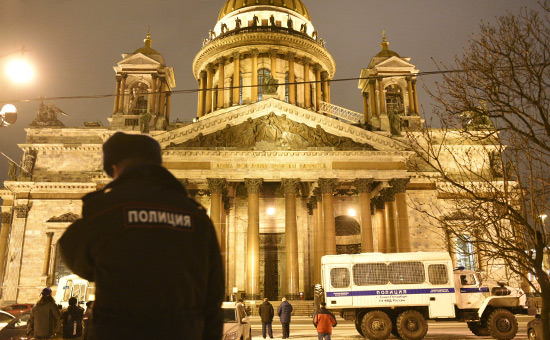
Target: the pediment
pixel 395 62
pixel 282 125
pixel 272 132
pixel 138 59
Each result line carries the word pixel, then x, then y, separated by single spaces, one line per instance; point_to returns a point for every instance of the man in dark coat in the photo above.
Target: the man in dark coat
pixel 72 320
pixel 152 251
pixel 266 314
pixel 285 311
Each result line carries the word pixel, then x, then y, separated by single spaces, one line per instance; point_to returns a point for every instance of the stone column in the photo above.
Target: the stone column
pixel 327 186
pixel 255 53
pixel 117 94
pixel 372 96
pixel 381 96
pixel 217 187
pixel 411 95
pixel 324 77
pixel 318 85
pixel 253 186
pixel 290 186
pixel 388 195
pixel 168 99
pixel 202 94
pixel 236 77
pixel 209 86
pixel 122 91
pixel 15 253
pixel 47 254
pixel 273 57
pixel 291 78
pixel 415 97
pixel 162 100
pixel 320 241
pixel 314 212
pixel 221 83
pixel 307 85
pixel 403 235
pixel 366 107
pixel 364 187
pixel 4 237
pixel 380 217
pixel 153 94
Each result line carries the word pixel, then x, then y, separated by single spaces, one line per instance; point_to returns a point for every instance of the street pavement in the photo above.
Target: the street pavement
pixel 302 328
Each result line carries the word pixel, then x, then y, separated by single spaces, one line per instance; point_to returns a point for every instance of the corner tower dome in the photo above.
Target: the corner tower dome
pixel 235 5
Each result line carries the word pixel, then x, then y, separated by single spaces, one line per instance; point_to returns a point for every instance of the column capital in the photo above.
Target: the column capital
pixel 154 75
pixel 363 185
pixel 273 53
pixel 202 74
pixel 290 55
pixel 388 194
pixel 399 184
pixel 49 234
pixel 253 185
pixel 6 217
pixel 124 75
pixel 118 77
pixel 313 201
pixel 221 60
pixel 210 67
pixel 306 60
pixel 236 55
pixel 377 202
pixel 318 194
pixel 290 185
pixel 317 67
pixel 216 185
pixel 324 75
pixel 255 52
pixel 408 78
pixel 327 185
pixel 21 211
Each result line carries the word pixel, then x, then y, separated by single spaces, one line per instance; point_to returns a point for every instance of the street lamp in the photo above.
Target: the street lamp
pixel 8 115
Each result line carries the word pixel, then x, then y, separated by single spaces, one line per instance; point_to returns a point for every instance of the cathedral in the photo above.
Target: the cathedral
pixel 286 176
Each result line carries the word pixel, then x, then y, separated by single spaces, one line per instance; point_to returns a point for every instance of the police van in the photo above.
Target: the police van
pixel 74 286
pixel 396 293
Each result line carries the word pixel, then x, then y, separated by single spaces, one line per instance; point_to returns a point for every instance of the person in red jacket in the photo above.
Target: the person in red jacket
pixel 324 320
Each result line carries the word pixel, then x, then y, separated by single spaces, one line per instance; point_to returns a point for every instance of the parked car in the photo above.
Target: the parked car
pixel 534 329
pixel 18 308
pixel 16 329
pixel 5 318
pixel 235 323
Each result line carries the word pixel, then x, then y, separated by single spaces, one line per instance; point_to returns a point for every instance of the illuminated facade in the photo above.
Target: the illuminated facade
pixel 286 175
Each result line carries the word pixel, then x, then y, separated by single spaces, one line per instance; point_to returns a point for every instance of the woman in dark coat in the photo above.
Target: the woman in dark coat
pixel 284 311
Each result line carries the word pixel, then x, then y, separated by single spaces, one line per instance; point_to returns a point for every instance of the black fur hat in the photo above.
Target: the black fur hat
pixel 121 146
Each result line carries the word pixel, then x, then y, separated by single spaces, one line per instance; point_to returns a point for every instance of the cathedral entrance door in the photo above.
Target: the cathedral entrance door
pixel 270 265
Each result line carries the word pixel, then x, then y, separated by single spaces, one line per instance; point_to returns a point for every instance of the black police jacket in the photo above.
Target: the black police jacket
pixel 154 256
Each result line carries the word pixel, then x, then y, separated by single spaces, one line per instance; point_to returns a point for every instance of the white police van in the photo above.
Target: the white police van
pixel 396 293
pixel 74 286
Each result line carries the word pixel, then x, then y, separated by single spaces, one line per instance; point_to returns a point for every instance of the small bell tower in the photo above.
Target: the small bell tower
pixel 143 88
pixel 388 86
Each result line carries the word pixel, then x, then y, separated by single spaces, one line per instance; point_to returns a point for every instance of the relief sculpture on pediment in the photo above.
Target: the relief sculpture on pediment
pixel 272 132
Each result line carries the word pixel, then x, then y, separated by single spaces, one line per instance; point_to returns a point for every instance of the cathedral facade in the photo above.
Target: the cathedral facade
pixel 286 175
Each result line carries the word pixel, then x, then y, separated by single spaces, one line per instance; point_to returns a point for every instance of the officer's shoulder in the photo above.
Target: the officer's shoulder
pixel 196 204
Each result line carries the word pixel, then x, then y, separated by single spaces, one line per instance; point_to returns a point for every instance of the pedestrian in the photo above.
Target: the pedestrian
pixel 86 319
pixel 151 250
pixel 72 320
pixel 44 317
pixel 241 308
pixel 266 315
pixel 324 320
pixel 284 311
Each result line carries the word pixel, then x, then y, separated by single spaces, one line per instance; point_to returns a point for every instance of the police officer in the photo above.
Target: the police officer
pixel 151 250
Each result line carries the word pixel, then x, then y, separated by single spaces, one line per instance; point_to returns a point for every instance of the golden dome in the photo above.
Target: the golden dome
pixel 147 49
pixel 293 5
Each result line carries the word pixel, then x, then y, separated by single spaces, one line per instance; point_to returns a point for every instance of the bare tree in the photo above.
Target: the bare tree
pixel 490 153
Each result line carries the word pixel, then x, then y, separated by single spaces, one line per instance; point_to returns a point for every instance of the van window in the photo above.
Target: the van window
pixel 437 274
pixel 339 277
pixel 68 288
pixel 406 273
pixel 365 274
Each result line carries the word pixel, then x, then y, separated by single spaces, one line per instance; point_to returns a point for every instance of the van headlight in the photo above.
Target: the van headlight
pixel 231 336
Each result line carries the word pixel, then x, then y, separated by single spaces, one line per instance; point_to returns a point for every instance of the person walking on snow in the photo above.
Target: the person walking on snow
pixel 266 314
pixel 285 311
pixel 324 320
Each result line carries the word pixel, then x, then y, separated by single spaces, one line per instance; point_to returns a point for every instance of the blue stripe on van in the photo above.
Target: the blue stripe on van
pixel 392 292
pixel 475 290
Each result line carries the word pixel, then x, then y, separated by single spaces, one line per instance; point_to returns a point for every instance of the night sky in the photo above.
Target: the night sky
pixel 74 45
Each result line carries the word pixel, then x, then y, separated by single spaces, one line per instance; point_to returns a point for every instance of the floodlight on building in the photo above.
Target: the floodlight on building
pixel 19 71
pixel 352 212
pixel 8 115
pixel 270 211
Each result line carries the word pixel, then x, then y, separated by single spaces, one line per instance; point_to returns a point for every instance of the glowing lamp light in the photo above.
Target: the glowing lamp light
pixel 543 217
pixel 8 115
pixel 352 212
pixel 19 71
pixel 270 211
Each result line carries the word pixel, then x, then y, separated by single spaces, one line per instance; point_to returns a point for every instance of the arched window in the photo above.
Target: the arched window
pixel 394 99
pixel 287 88
pixel 465 256
pixel 138 99
pixel 263 73
pixel 60 269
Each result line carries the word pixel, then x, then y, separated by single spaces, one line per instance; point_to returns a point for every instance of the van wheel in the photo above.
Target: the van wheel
pixel 477 329
pixel 412 325
pixel 376 325
pixel 358 324
pixel 502 324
